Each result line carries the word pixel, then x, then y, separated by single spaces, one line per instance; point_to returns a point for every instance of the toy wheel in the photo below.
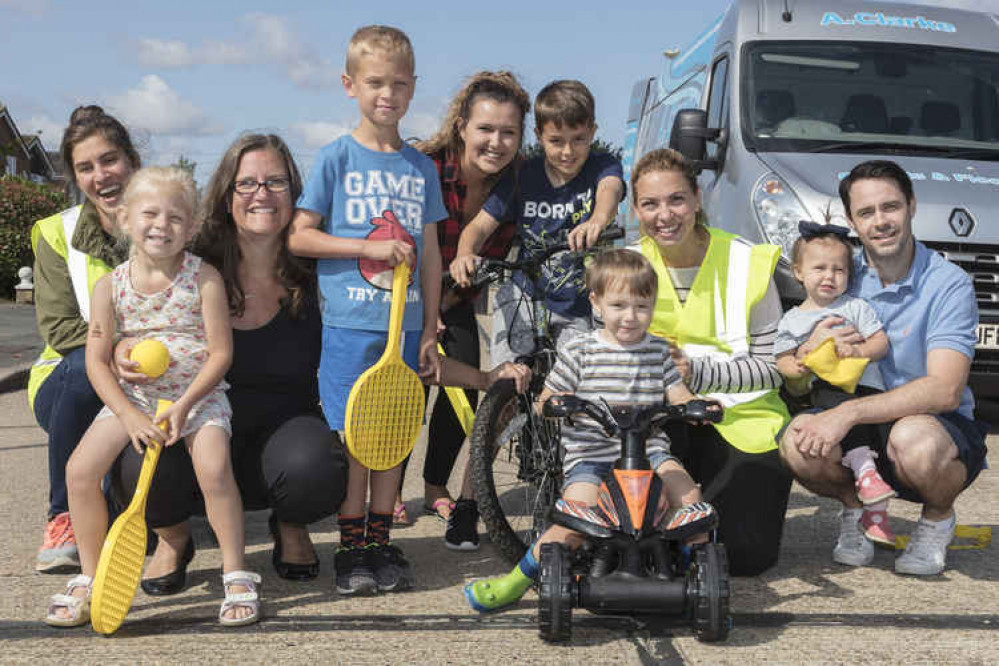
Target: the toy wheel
pixel 516 468
pixel 555 594
pixel 708 592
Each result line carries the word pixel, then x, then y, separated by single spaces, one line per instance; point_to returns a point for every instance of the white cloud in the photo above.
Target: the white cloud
pixel 419 125
pixel 277 39
pixel 175 53
pixel 155 106
pixel 269 38
pixel 164 53
pixel 50 130
pixel 314 135
pixel 33 7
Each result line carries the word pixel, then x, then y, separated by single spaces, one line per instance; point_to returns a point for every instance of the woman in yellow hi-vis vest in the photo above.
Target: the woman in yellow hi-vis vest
pixel 72 250
pixel 717 303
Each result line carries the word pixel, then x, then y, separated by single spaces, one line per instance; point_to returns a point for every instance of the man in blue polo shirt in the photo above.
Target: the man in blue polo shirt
pixel 933 446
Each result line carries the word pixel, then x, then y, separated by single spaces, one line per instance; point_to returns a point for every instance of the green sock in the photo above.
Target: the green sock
pixel 493 593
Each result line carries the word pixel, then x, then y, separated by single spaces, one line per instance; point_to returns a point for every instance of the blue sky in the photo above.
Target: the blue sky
pixel 188 77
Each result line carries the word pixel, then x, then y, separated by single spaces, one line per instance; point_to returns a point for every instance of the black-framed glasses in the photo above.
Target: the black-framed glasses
pixel 250 186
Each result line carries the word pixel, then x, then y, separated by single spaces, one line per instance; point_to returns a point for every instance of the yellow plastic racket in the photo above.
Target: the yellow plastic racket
pixel 459 401
pixel 124 551
pixel 385 406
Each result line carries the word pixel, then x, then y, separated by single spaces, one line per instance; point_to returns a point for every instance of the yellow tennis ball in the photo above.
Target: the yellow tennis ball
pixel 152 357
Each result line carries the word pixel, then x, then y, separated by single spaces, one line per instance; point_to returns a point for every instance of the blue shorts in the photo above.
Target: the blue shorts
pixel 348 352
pixel 592 472
pixel 969 438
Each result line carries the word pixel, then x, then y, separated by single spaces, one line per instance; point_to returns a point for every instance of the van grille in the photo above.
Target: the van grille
pixel 981 262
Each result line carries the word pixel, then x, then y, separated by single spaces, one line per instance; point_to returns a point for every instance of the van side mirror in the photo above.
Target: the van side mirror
pixel 690 135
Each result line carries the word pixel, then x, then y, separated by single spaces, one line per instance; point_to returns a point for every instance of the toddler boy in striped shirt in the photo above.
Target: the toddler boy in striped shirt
pixel 622 364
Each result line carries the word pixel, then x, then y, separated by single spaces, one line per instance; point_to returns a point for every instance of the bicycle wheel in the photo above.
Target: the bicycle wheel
pixel 516 468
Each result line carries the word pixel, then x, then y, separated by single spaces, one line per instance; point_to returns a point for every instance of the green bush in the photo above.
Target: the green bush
pixel 22 203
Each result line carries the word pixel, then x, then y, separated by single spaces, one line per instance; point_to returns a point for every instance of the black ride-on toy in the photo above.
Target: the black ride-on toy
pixel 631 561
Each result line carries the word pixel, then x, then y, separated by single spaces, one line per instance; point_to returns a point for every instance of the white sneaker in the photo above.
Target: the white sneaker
pixel 852 548
pixel 927 550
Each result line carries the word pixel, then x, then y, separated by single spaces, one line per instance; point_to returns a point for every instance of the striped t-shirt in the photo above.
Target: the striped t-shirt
pixel 592 368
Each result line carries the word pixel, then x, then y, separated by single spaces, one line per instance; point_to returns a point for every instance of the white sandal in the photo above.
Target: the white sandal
pixel 78 607
pixel 249 599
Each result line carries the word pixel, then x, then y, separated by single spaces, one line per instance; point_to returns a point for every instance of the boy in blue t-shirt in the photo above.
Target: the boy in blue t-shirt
pixel 371 203
pixel 569 195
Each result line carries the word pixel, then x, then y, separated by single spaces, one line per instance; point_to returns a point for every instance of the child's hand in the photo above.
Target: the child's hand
pixel 845 349
pixel 430 360
pixel 393 252
pixel 124 366
pixel 681 361
pixel 463 268
pixel 140 429
pixel 519 373
pixel 172 420
pixel 584 235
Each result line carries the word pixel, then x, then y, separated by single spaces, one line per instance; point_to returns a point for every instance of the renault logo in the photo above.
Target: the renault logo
pixel 961 222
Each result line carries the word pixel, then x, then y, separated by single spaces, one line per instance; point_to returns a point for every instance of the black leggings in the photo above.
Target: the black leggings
pixel 749 491
pixel 299 470
pixel 445 437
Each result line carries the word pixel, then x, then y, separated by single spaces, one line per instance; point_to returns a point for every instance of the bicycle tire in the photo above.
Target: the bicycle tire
pixel 516 468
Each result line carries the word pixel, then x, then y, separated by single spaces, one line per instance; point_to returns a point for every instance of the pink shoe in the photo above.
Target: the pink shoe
pixel 876 528
pixel 871 488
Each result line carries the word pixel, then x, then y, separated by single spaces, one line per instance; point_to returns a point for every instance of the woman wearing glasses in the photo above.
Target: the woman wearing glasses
pixel 284 455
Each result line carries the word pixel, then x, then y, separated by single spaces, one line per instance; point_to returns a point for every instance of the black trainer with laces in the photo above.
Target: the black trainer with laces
pixel 462 531
pixel 392 572
pixel 354 576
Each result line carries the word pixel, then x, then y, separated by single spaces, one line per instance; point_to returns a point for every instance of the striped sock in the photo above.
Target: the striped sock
pixel 379 525
pixel 351 531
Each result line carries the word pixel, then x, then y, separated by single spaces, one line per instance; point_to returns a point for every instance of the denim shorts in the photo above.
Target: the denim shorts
pixel 592 472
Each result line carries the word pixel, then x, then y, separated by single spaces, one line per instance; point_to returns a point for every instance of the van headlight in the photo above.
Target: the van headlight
pixel 778 211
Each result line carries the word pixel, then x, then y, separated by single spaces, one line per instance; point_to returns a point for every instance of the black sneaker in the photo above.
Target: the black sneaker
pixel 353 573
pixel 392 572
pixel 463 526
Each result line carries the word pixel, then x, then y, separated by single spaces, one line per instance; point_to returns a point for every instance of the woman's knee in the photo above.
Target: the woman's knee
pixel 305 469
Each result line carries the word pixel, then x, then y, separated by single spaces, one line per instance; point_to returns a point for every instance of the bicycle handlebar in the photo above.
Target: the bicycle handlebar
pixel 615 419
pixel 489 270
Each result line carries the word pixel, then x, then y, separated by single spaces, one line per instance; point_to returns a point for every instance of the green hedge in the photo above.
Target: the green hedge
pixel 22 203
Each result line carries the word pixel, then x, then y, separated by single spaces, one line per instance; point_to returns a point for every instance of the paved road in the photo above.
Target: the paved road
pixel 806 610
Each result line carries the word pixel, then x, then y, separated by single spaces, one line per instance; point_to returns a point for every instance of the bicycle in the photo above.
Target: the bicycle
pixel 515 454
pixel 631 560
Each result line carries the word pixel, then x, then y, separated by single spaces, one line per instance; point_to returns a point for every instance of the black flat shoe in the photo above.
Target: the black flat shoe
pixel 173 582
pixel 287 570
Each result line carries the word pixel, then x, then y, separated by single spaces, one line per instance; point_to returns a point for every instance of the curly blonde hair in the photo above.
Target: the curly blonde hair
pixel 499 87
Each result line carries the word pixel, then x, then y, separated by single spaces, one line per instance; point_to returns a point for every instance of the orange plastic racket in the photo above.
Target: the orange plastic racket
pixel 385 406
pixel 124 551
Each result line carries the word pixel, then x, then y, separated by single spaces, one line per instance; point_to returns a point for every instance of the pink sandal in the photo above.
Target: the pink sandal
pixel 399 516
pixel 435 508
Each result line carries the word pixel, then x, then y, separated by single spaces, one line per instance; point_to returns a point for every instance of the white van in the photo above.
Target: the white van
pixel 778 99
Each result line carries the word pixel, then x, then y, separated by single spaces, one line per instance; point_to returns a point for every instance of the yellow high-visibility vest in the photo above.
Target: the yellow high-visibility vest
pixel 714 322
pixel 84 271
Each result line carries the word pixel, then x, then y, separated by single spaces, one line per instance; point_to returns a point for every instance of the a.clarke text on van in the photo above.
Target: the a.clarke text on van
pixel 778 99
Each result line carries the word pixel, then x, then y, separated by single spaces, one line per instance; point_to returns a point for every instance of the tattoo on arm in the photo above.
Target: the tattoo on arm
pixel 96 331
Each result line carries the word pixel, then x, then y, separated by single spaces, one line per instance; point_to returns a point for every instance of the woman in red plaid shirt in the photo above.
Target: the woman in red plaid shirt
pixel 479 138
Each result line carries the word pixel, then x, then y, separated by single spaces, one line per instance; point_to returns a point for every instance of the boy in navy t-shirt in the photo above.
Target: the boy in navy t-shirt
pixel 569 195
pixel 371 203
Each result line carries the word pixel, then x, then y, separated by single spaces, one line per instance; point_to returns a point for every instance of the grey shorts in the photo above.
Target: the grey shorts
pixel 512 334
pixel 594 472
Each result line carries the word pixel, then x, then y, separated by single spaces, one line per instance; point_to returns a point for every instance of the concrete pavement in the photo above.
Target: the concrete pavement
pixel 807 609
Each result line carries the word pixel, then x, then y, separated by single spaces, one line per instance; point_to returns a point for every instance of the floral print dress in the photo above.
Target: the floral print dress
pixel 172 316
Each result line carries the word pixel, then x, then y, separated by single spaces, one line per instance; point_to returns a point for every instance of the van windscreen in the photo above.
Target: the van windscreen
pixel 908 99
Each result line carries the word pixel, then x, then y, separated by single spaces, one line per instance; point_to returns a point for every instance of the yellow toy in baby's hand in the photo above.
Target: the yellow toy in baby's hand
pixel 152 357
pixel 842 372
